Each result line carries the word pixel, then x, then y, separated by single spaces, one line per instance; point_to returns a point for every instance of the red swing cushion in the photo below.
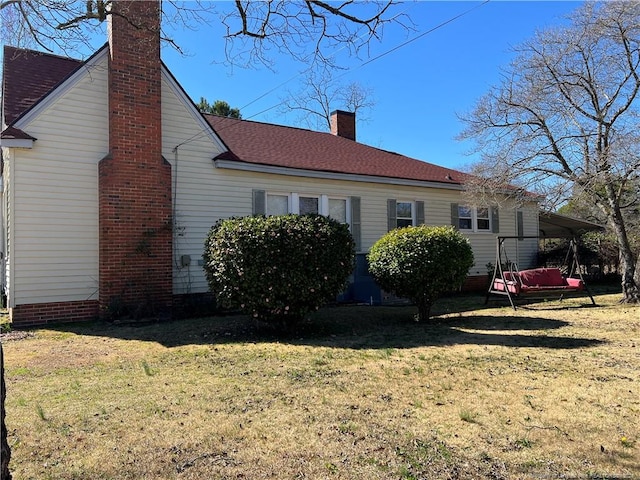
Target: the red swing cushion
pixel 511 282
pixel 542 277
pixel 537 279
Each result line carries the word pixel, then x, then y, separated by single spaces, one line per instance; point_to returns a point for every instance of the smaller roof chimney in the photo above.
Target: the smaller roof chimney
pixel 343 124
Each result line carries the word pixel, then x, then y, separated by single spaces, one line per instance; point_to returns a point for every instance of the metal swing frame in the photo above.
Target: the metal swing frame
pixel 498 272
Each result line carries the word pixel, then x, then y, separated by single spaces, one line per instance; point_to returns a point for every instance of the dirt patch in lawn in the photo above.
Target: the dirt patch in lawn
pixel 549 391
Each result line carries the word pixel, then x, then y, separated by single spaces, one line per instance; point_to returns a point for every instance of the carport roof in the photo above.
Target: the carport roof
pixel 554 225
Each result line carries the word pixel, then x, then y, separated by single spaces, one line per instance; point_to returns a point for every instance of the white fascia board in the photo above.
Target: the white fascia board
pixel 351 177
pixel 64 87
pixel 197 116
pixel 16 143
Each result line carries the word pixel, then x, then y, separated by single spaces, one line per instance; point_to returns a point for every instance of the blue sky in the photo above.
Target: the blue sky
pixel 419 89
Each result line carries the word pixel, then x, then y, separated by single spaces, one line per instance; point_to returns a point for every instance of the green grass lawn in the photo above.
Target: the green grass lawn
pixel 547 391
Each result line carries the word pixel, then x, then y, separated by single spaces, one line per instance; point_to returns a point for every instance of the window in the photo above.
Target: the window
pixel 465 218
pixel 342 209
pixel 483 221
pixel 475 219
pixel 338 209
pixel 307 205
pixel 277 204
pixel 404 214
pixel 282 203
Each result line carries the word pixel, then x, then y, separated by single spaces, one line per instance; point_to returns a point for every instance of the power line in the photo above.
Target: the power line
pixel 348 70
pixel 365 32
pixel 437 27
pixel 397 47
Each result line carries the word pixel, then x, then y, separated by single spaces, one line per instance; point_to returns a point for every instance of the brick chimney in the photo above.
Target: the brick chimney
pixel 343 124
pixel 135 223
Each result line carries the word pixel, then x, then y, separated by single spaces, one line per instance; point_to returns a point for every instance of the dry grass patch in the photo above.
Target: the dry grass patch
pixel 358 392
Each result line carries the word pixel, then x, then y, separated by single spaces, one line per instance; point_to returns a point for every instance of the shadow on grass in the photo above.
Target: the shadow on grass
pixel 354 327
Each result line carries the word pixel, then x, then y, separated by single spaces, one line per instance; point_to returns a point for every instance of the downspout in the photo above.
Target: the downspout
pixel 175 187
pixel 177 230
pixel 174 208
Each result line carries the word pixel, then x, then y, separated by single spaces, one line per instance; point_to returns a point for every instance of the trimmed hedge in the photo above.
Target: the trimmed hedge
pixel 421 263
pixel 278 268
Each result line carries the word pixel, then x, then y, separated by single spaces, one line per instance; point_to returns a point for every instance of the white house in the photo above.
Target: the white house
pixel 112 178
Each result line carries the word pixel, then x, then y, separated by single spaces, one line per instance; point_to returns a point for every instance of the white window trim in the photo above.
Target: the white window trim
pixel 474 220
pixel 323 202
pixel 296 203
pixel 279 194
pixel 413 211
pixel 488 218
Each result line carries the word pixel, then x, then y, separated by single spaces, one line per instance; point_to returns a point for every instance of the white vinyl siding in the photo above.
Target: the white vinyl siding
pixel 51 192
pixel 524 251
pixel 230 193
pixel 7 218
pixel 201 196
pixel 54 196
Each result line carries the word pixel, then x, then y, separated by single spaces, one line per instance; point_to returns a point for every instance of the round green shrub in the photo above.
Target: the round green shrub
pixel 278 268
pixel 420 263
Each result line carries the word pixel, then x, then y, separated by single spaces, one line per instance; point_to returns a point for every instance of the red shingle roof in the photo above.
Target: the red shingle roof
pixel 15 133
pixel 274 145
pixel 28 76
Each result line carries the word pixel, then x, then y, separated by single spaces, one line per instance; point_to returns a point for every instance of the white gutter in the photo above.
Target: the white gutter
pixel 352 177
pixel 16 142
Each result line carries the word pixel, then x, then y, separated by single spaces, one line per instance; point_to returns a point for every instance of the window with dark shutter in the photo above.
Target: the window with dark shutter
pixel 391 214
pixel 419 213
pixel 259 206
pixel 356 231
pixel 520 224
pixel 455 219
pixel 495 220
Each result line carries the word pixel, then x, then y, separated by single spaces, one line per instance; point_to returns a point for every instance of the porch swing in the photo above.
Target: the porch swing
pixel 536 283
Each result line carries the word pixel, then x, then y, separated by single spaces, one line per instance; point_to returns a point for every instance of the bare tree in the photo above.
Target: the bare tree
pixel 566 119
pixel 303 29
pixel 320 94
pixel 255 30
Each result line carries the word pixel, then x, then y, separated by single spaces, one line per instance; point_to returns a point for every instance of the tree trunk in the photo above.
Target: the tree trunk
pixel 630 291
pixel 5 452
pixel 424 309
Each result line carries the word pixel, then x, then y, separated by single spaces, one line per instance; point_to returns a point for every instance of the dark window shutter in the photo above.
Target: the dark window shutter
pixel 455 220
pixel 520 222
pixel 356 231
pixel 495 220
pixel 391 214
pixel 419 212
pixel 259 202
